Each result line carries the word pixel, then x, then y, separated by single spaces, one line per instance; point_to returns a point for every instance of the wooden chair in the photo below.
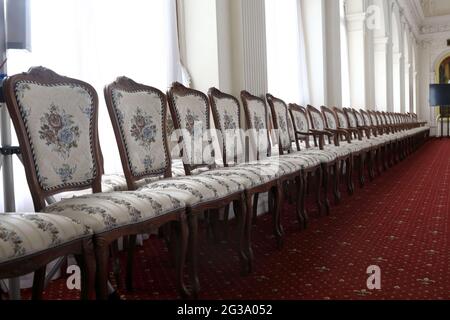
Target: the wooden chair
pixel 257 176
pixel 29 241
pixel 346 161
pixel 370 122
pixel 303 133
pixel 55 118
pixel 190 112
pixel 354 139
pixel 319 127
pixel 372 137
pixel 280 116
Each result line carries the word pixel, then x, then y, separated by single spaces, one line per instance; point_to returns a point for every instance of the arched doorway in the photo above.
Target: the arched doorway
pixel 442 76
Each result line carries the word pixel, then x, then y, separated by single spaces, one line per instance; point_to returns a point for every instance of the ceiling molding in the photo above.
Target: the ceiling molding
pixel 422 26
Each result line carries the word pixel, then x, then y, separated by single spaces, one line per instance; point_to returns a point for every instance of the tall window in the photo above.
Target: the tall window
pixel 345 68
pixel 286 57
pixel 396 55
pixel 97 41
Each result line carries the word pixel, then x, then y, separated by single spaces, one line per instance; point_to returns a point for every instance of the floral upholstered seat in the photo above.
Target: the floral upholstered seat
pixel 195 190
pixel 107 211
pixel 27 234
pixel 56 119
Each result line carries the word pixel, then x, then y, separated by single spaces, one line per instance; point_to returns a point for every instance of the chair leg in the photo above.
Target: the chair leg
pixel 326 176
pixel 193 254
pixel 226 216
pixel 337 172
pixel 255 208
pixel 319 179
pixel 241 238
pixel 300 201
pixel 349 172
pixel 276 203
pixel 248 231
pixel 101 257
pixel 130 261
pixel 370 163
pixel 182 244
pixel 116 261
pixel 86 261
pixel 38 283
pixel 304 184
pixel 362 181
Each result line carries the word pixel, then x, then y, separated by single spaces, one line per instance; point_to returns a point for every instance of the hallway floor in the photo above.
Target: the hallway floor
pixel 399 222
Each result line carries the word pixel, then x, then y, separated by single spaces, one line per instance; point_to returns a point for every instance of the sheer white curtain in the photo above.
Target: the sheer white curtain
pixel 345 68
pixel 96 41
pixel 286 55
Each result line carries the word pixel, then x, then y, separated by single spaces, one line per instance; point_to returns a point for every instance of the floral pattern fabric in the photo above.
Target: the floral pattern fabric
pixel 282 120
pixel 331 120
pixel 23 234
pixel 232 139
pixel 58 120
pixel 193 190
pixel 140 117
pixel 343 123
pixel 106 211
pixel 259 126
pixel 317 120
pixel 193 115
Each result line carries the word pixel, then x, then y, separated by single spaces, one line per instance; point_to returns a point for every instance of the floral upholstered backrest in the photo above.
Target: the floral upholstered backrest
pixel 257 123
pixel 366 118
pixel 330 118
pixel 226 111
pixel 352 121
pixel 379 118
pixel 317 121
pixel 139 117
pixel 290 127
pixel 373 118
pixel 280 119
pixel 359 118
pixel 190 113
pixel 56 122
pixel 342 118
pixel 299 119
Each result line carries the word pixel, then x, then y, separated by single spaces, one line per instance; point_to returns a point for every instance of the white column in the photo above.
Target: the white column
pixel 397 79
pixel 357 58
pixel 254 46
pixel 333 55
pixel 381 72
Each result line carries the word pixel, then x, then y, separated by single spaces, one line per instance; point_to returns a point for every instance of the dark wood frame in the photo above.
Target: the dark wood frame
pixel 308 173
pixel 382 154
pixel 180 90
pixel 333 166
pixel 83 250
pixel 238 199
pixel 296 178
pixel 130 86
pixel 339 136
pixel 274 188
pixel 216 93
pixel 102 241
pixel 359 158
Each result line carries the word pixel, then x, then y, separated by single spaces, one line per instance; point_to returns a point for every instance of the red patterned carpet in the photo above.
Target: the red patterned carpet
pixel 399 222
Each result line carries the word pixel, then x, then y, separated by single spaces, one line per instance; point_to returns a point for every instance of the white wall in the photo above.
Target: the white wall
pixel 433 49
pixel 313 19
pixel 201 49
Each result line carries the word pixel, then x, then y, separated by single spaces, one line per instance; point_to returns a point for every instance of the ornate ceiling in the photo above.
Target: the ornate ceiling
pixel 435 8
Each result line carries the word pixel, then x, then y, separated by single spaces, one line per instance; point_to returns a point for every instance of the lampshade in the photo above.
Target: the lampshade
pixel 439 95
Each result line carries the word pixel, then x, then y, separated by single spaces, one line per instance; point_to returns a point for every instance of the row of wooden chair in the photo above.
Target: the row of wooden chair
pixel 56 120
